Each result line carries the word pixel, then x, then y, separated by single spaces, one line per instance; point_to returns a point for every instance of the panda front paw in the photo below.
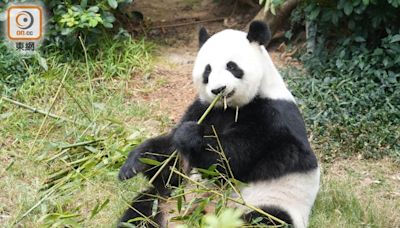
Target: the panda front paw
pixel 188 137
pixel 131 167
pixel 128 170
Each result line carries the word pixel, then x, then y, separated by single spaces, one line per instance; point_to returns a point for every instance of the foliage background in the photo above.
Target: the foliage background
pixel 67 23
pixel 351 96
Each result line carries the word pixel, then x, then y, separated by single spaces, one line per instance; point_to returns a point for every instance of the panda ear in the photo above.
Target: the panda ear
pixel 203 36
pixel 259 32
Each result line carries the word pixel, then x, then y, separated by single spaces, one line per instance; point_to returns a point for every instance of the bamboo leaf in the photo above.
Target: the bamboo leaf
pixel 180 191
pixel 98 208
pixel 149 161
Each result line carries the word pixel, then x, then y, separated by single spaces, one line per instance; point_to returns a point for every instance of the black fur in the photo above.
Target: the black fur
pixel 259 32
pixel 203 36
pixel 274 211
pixel 206 73
pixel 154 149
pixel 142 206
pixel 269 139
pixel 161 145
pixel 234 69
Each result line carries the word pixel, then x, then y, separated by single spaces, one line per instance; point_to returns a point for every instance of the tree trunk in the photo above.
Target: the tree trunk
pixel 276 21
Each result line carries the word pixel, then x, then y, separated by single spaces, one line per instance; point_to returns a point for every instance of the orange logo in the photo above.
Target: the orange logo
pixel 24 22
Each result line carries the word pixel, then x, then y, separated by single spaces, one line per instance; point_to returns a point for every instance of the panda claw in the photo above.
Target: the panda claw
pixel 126 172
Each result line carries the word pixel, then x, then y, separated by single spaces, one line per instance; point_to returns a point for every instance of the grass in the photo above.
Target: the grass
pixel 100 109
pixel 13 70
pixel 63 173
pixel 357 193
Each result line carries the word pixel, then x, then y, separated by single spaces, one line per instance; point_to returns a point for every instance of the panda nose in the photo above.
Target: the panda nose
pixel 217 91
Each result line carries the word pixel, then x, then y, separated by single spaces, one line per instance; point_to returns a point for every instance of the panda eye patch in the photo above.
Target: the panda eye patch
pixel 234 69
pixel 206 73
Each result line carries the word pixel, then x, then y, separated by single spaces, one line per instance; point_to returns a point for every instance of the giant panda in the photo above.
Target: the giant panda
pixel 259 126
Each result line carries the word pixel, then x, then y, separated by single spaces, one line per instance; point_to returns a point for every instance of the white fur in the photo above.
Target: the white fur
pixel 260 75
pixel 272 84
pixel 295 193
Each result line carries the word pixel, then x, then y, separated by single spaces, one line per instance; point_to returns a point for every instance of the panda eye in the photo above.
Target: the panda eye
pixel 234 69
pixel 207 69
pixel 231 66
pixel 206 73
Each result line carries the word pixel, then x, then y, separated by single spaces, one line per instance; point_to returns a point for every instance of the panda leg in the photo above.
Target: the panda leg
pixel 274 211
pixel 142 207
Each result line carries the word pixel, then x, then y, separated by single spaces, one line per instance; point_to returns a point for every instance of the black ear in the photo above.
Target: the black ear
pixel 259 32
pixel 203 36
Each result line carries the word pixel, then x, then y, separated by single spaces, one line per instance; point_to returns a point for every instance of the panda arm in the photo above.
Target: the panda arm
pixel 242 145
pixel 158 145
pixel 154 148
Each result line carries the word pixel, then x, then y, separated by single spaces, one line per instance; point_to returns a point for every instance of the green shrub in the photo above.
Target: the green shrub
pixel 67 20
pixel 352 94
pixel 14 68
pixel 73 18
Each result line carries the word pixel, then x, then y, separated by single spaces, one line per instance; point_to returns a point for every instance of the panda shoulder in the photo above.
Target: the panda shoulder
pixel 281 115
pixel 194 111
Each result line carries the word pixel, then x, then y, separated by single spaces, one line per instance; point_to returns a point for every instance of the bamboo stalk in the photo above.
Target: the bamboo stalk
pixel 63 151
pixel 81 144
pixel 34 206
pixel 35 110
pixel 51 107
pixel 208 110
pixel 88 73
pixel 77 102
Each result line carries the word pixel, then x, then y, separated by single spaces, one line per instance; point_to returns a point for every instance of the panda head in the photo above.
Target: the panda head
pixel 233 63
